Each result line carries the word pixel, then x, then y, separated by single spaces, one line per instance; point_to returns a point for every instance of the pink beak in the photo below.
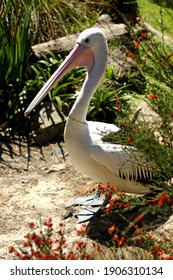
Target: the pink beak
pixel 80 56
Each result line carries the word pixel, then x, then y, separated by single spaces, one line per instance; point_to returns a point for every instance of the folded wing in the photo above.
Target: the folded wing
pixel 123 161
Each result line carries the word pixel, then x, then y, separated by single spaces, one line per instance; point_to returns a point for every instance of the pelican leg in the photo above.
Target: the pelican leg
pixel 86 214
pixel 93 200
pixel 90 213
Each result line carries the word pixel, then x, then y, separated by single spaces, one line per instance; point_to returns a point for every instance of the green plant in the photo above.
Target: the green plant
pixel 52 19
pixel 63 94
pixel 152 136
pixel 113 99
pixel 16 38
pixel 23 23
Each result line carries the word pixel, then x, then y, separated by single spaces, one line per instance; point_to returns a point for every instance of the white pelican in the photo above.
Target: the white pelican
pixel 104 162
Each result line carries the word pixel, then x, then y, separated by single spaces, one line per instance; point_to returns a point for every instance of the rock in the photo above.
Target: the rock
pixel 57 167
pixel 46 124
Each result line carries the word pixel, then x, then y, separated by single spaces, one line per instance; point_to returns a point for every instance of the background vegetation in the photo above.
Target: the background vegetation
pixel 25 23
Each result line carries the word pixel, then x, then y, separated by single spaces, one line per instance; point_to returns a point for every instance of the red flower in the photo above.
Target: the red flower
pixel 130 54
pixel 153 96
pixel 136 45
pixel 108 211
pixel 101 187
pixel 17 254
pixel 25 244
pixel 120 242
pixel 167 239
pixel 72 256
pixel 169 56
pixel 111 202
pixel 80 244
pixel 32 224
pixel 149 236
pixel 79 232
pixel 144 34
pixel 47 224
pixel 139 218
pixel 26 257
pixel 120 205
pixel 111 229
pixel 130 140
pixel 85 256
pixel 11 249
pixel 138 19
pixel 37 254
pixel 119 108
pixel 138 240
pixel 113 188
pixel 115 237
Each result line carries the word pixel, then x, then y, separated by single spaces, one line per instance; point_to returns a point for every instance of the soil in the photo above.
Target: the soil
pixel 36 184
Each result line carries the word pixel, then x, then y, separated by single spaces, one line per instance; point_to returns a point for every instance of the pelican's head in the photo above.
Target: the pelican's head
pixel 90 47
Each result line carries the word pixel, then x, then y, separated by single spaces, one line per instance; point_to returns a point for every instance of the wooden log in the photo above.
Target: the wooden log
pixel 111 30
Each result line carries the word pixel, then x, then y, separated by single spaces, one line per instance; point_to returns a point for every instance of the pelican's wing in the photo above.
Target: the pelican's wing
pixel 123 161
pixel 98 130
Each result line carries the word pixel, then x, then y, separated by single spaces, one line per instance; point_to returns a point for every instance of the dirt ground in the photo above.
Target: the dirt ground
pixel 36 190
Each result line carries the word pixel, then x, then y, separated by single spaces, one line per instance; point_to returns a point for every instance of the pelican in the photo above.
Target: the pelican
pixel 118 165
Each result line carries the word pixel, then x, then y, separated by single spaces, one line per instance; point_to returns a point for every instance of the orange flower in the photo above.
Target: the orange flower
pixel 120 242
pixel 136 45
pixel 153 96
pixel 115 237
pixel 130 54
pixel 113 188
pixel 101 187
pixel 139 218
pixel 111 229
pixel 130 140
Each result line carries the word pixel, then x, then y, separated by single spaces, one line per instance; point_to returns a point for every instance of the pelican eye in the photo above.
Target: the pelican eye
pixel 87 40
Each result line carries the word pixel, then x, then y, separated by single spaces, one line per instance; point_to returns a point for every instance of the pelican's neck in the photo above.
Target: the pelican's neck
pixel 80 107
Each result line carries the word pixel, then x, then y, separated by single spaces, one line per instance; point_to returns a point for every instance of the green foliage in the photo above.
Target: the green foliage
pixel 63 94
pixel 15 51
pixel 113 98
pixel 161 9
pixel 22 23
pixel 153 135
pixel 52 19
